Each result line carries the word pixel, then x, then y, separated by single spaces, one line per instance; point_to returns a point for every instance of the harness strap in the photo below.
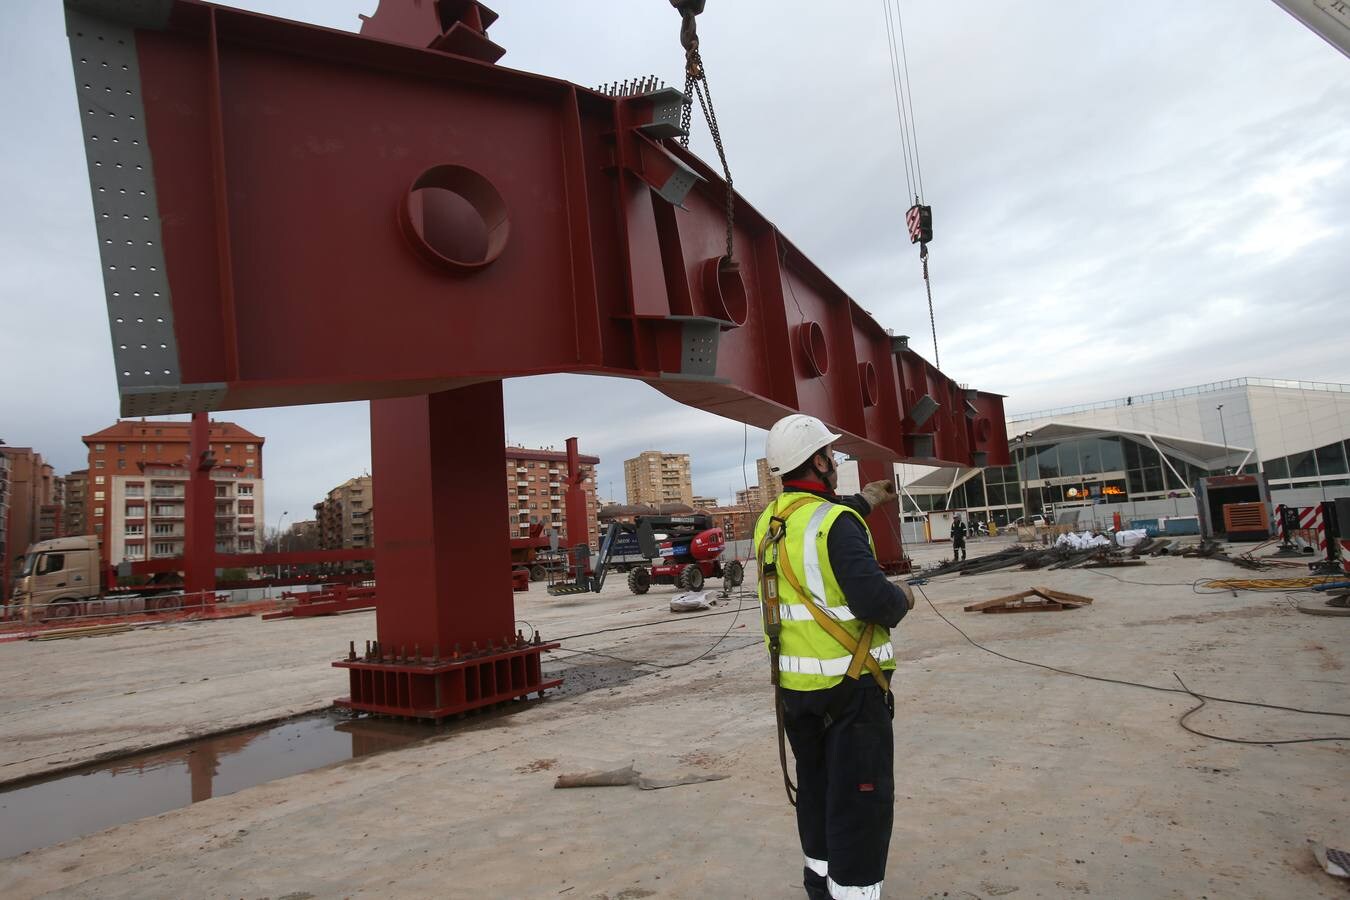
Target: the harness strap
pixel 859 649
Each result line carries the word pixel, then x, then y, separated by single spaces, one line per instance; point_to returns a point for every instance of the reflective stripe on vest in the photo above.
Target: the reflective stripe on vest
pixel 815 579
pixel 797 612
pixel 809 665
pixel 818 866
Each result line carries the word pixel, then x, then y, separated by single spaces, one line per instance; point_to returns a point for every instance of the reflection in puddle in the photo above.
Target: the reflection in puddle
pixel 38 814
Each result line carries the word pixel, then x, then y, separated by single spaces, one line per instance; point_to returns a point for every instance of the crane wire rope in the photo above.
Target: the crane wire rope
pixel 903 91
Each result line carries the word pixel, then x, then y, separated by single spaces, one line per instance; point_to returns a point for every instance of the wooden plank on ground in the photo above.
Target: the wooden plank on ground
pixel 1063 596
pixel 997 601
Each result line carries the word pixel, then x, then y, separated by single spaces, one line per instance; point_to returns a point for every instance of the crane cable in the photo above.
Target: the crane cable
pixel 918 219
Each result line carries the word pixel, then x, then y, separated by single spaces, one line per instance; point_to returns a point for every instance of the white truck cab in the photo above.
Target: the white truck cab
pixel 62 570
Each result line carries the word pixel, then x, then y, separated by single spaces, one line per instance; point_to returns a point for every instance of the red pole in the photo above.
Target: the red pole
pixel 578 527
pixel 199 564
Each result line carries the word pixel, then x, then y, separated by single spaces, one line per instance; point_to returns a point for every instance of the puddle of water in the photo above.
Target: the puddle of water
pixel 39 814
pixel 66 806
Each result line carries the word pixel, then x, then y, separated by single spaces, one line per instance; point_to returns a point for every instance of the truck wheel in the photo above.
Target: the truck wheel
pixel 537 573
pixel 690 578
pixel 733 573
pixel 61 609
pixel 639 580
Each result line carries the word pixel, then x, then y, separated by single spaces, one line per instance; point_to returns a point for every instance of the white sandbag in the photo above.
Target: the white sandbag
pixel 1130 538
pixel 1085 540
pixel 690 601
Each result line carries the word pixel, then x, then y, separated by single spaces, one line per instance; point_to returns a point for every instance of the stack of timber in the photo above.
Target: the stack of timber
pixel 1038 599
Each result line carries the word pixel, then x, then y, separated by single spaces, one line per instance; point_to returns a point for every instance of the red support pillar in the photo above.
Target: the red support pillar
pixel 447 640
pixel 578 528
pixel 884 523
pixel 199 566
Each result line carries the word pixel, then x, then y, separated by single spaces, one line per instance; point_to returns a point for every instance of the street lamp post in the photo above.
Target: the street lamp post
pixel 1224 429
pixel 280 519
pixel 1022 474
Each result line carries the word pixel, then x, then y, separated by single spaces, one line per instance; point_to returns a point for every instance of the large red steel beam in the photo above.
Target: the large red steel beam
pixel 267 192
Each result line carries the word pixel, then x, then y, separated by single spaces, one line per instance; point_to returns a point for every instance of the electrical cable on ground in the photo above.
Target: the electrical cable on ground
pixel 655 665
pixel 1152 687
pixel 1195 709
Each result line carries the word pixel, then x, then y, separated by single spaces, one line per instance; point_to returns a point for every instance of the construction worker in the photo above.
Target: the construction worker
pixel 958 538
pixel 828 608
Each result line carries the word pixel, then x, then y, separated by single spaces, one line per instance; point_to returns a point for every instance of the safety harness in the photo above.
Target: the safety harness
pixel 770 563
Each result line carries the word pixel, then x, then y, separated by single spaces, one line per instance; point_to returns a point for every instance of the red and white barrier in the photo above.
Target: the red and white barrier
pixel 1310 519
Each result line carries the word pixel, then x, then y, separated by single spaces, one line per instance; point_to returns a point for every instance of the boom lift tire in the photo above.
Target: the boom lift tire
pixel 538 573
pixel 690 578
pixel 639 580
pixel 733 573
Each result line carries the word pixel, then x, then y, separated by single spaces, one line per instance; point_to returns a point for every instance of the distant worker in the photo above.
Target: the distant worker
pixel 828 609
pixel 958 538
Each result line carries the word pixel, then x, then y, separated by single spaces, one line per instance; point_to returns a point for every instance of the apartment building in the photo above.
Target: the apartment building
pixel 749 497
pixel 75 517
pixel 147 512
pixel 52 514
pixel 703 502
pixel 737 522
pixel 4 527
pixel 341 518
pixel 654 478
pixel 536 490
pixel 136 488
pixel 770 485
pixel 32 495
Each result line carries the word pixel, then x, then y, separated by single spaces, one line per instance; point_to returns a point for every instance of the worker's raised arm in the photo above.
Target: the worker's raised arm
pixel 871 596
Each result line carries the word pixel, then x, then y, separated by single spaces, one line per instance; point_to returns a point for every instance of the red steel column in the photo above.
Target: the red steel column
pixel 199 560
pixel 884 522
pixel 442 549
pixel 578 527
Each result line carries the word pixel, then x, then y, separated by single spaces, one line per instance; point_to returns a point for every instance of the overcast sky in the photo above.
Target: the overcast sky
pixel 1127 198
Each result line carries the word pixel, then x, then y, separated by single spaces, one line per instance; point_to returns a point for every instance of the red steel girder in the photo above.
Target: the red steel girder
pixel 264 170
pixel 266 192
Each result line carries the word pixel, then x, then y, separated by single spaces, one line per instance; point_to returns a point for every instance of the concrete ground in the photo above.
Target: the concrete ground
pixel 1011 780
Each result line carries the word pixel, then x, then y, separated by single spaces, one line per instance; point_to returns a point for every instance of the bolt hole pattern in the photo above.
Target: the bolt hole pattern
pixel 125 208
pixel 455 218
pixel 811 339
pixel 867 381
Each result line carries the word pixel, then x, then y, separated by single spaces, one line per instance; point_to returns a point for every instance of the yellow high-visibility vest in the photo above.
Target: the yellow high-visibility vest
pixel 810 659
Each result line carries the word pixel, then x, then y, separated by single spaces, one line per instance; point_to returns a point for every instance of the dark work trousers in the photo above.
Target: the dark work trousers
pixel 845 754
pixel 958 547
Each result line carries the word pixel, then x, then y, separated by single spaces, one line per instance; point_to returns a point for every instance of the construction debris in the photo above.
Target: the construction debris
pixel 628 775
pixel 1038 599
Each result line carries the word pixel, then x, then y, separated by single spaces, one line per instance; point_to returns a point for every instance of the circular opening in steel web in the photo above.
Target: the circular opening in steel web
pixel 454 217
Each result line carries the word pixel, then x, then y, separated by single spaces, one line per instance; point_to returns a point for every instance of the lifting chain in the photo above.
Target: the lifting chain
pixel 928 286
pixel 696 84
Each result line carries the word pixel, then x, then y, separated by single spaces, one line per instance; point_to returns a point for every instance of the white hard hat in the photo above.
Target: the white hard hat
pixel 793 440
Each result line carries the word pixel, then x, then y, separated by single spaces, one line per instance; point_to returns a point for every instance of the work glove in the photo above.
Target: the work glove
pixel 880 492
pixel 909 594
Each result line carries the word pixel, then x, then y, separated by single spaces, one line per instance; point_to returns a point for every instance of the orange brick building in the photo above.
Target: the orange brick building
pixel 536 485
pixel 136 460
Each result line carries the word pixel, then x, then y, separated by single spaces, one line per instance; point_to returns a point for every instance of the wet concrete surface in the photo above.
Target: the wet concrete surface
pixel 46 811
